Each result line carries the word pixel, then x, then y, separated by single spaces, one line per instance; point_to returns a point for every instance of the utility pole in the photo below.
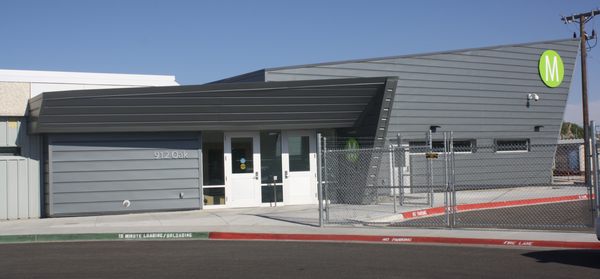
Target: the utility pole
pixel 582 19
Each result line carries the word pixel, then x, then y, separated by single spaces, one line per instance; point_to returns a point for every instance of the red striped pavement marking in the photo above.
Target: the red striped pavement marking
pixel 403 239
pixel 490 205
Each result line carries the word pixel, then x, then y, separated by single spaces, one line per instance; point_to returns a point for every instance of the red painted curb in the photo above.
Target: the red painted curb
pixel 490 205
pixel 403 239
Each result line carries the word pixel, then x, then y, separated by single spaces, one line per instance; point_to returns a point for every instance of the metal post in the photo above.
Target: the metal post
pixel 430 169
pixel 319 180
pixel 596 188
pixel 275 190
pixel 446 182
pixel 591 185
pixel 584 99
pixel 326 182
pixel 452 182
pixel 401 170
pixel 391 172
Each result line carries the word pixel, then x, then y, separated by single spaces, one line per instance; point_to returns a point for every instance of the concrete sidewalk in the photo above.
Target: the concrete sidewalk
pixel 255 223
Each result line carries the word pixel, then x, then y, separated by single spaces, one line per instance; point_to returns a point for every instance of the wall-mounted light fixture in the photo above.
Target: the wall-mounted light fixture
pixel 433 128
pixel 532 96
pixel 537 128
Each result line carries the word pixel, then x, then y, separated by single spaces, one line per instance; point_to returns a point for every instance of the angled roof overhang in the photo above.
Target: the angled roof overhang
pixel 307 104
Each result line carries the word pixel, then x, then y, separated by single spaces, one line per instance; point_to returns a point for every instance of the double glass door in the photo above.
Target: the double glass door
pixel 266 168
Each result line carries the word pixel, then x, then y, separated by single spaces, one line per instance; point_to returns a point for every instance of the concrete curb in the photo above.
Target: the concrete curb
pixel 33 238
pixel 403 239
pixel 101 237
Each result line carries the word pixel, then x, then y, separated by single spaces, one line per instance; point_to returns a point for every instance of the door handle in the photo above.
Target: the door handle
pixel 256 175
pixel 286 174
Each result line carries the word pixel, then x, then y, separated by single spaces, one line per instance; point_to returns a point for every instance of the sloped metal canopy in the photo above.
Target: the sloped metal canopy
pixel 313 104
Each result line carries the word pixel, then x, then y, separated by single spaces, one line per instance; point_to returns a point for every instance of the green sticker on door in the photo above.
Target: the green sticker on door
pixel 551 68
pixel 352 147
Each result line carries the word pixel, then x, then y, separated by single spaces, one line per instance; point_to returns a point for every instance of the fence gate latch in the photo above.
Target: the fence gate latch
pixel 431 155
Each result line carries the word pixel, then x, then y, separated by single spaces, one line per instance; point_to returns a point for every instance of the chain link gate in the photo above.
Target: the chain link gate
pixel 436 181
pixel 374 186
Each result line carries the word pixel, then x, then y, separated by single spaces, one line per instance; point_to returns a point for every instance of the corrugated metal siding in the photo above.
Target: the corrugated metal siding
pixel 19 175
pixel 9 130
pixel 13 190
pixel 239 106
pixel 256 76
pixel 477 93
pixel 487 169
pixel 91 174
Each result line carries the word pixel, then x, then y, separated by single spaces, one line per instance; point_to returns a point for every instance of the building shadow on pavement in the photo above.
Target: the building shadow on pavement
pixel 313 222
pixel 585 258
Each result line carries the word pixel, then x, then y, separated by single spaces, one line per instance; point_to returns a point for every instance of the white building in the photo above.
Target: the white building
pixel 19 152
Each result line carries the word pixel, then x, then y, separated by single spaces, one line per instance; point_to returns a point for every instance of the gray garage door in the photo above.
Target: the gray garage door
pixel 117 173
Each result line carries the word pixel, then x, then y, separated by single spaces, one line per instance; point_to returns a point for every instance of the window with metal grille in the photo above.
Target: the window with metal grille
pixel 507 145
pixel 438 146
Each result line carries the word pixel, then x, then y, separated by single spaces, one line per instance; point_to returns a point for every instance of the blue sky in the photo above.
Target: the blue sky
pixel 202 41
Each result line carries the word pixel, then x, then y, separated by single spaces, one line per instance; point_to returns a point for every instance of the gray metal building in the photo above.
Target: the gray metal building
pixel 477 93
pixel 141 149
pixel 480 94
pixel 250 140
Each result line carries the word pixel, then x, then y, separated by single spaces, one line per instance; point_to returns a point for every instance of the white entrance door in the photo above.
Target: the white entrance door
pixel 242 169
pixel 299 160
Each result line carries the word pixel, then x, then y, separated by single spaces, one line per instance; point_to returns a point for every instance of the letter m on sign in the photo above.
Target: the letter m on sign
pixel 551 68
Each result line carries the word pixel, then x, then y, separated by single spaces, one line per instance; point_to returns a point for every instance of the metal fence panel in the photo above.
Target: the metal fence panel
pixel 531 195
pixel 512 184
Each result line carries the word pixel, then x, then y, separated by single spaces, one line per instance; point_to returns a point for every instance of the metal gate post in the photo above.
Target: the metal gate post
pixel 595 173
pixel 430 169
pixel 319 179
pixel 452 183
pixel 588 180
pixel 446 180
pixel 326 180
pixel 391 172
pixel 401 171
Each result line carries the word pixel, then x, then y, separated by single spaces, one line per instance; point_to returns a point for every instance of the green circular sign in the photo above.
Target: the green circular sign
pixel 551 68
pixel 352 148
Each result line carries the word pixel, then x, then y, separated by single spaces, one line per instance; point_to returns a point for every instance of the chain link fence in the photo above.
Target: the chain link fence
pixel 442 182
